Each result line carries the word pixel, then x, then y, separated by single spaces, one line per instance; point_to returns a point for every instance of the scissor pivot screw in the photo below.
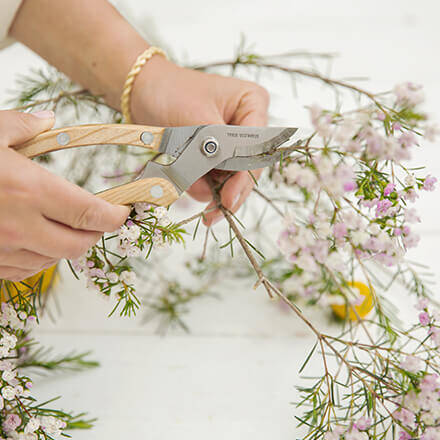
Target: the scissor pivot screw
pixel 210 146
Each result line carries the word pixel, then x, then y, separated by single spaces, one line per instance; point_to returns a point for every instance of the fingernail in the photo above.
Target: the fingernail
pixel 44 114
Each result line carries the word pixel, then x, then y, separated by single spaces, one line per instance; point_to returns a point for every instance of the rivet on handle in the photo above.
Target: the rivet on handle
pixel 147 138
pixel 63 138
pixel 156 191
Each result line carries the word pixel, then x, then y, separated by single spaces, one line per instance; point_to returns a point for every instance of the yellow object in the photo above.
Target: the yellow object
pixel 362 309
pixel 137 66
pixel 50 277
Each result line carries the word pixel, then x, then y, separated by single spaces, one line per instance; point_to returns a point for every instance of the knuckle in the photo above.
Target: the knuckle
pixel 82 246
pixel 262 93
pixel 87 217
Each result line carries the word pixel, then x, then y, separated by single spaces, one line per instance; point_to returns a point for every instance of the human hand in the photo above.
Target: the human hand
pixel 43 217
pixel 168 95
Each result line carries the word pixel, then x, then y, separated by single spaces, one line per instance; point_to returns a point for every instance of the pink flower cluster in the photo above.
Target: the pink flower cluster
pixel 357 431
pixel 14 386
pixel 420 410
pixel 132 241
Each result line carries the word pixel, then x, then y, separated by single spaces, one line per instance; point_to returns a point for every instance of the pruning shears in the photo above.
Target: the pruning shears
pixel 195 150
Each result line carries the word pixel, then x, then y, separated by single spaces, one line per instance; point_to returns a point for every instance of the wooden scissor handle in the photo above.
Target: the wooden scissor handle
pixel 155 190
pixel 93 134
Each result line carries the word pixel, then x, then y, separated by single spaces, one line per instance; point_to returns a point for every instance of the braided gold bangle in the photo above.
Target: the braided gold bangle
pixel 137 66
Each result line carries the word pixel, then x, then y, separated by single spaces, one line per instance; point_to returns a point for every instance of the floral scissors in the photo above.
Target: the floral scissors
pixel 196 151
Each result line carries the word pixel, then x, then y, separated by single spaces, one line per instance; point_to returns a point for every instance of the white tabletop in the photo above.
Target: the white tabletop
pixel 233 376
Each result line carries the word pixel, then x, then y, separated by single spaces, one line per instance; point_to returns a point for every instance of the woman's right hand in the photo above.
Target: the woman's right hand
pixel 43 218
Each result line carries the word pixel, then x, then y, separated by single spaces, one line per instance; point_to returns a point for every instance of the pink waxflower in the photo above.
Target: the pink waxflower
pixel 339 230
pixel 350 186
pixel 405 416
pixel 407 139
pixel 422 304
pixel 434 333
pixel 431 433
pixel 429 183
pixel 412 364
pixel 396 126
pixel 389 189
pixel 363 423
pixel 403 435
pixel 429 383
pixel 424 318
pixel 11 422
pixel 382 207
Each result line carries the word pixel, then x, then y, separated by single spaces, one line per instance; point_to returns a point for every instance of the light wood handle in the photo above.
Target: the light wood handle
pixel 153 190
pixel 97 134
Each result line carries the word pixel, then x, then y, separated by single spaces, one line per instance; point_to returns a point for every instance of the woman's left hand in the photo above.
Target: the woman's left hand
pixel 168 95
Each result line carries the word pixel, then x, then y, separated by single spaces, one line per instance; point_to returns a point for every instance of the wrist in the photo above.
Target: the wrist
pixel 148 88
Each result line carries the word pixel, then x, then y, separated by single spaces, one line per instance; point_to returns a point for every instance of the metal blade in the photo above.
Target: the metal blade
pixel 238 148
pixel 239 140
pixel 249 162
pixel 176 139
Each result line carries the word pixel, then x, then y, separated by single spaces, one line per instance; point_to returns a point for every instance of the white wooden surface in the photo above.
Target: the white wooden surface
pixel 233 377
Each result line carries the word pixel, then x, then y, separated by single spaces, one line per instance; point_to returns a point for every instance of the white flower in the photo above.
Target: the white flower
pixel 128 277
pixel 374 229
pixel 306 262
pixel 8 341
pixel 334 435
pixel 345 131
pixel 324 229
pixel 52 426
pixel 410 180
pixel 7 375
pixel 113 277
pixel 409 93
pixel 359 238
pixel 307 179
pixel 335 262
pixel 291 171
pixel 32 425
pixel 325 166
pixel 8 392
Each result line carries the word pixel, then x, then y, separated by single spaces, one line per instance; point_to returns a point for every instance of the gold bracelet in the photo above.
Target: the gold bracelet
pixel 137 66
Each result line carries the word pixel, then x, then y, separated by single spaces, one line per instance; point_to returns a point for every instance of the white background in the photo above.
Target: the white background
pixel 233 377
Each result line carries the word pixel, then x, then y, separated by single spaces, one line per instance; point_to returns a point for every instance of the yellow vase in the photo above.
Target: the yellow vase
pixel 43 281
pixel 362 309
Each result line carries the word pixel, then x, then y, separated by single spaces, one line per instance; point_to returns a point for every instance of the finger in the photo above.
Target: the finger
pixel 200 191
pixel 60 241
pixel 73 206
pixel 28 260
pixel 18 127
pixel 253 108
pixel 14 274
pixel 233 195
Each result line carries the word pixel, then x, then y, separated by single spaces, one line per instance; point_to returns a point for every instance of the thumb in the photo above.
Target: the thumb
pixel 18 127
